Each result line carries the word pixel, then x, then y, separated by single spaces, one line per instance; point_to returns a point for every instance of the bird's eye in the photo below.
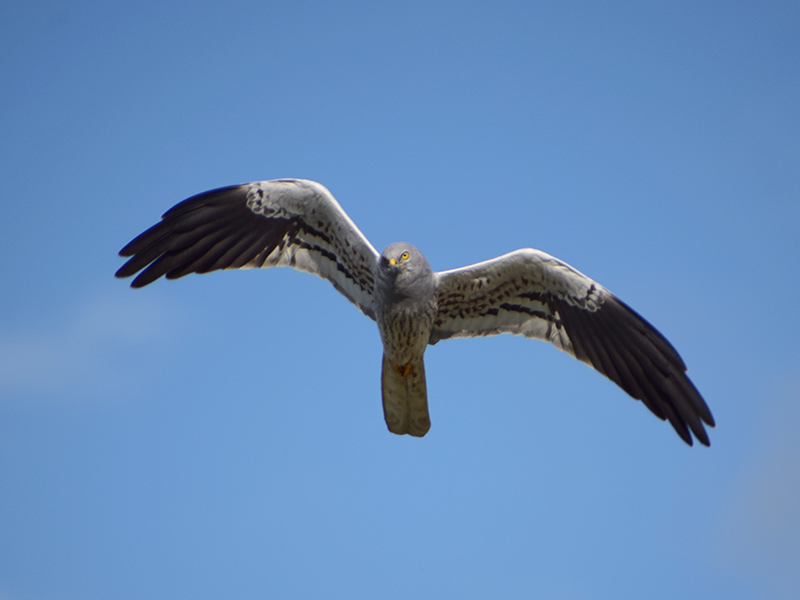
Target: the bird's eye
pixel 404 255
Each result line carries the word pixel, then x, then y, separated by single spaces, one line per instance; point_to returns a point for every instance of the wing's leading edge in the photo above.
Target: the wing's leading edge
pixel 284 222
pixel 530 293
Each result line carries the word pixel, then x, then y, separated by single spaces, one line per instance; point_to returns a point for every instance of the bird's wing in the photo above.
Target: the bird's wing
pixel 531 293
pixel 285 222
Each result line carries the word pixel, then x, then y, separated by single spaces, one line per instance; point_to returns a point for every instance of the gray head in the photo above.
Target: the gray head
pixel 404 272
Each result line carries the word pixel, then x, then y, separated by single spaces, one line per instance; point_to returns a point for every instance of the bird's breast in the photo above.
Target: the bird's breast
pixel 405 329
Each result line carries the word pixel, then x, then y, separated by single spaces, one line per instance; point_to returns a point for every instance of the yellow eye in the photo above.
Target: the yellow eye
pixel 404 255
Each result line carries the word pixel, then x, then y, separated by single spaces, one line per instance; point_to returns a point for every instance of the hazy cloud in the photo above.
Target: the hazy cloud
pixel 760 526
pixel 76 353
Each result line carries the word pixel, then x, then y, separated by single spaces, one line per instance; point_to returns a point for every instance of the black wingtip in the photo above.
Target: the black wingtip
pixel 122 273
pixel 702 436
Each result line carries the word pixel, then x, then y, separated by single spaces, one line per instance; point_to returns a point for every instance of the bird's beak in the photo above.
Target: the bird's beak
pixel 392 261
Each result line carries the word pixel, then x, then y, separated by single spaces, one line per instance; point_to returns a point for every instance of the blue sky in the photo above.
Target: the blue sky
pixel 222 435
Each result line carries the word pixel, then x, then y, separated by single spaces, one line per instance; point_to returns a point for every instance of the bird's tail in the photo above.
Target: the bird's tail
pixel 405 397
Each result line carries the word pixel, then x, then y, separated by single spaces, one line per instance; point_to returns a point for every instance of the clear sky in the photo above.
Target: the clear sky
pixel 222 436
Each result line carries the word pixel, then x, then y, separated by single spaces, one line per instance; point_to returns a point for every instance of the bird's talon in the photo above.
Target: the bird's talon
pixel 403 370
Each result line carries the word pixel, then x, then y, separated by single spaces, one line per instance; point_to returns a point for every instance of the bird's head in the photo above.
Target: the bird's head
pixel 402 266
pixel 402 258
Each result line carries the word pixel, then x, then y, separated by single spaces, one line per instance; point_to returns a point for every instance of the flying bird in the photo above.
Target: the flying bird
pixel 298 223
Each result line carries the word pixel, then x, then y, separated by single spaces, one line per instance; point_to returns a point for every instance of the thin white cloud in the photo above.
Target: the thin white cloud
pixel 75 355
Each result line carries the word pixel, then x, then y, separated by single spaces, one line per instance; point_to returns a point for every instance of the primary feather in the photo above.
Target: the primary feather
pixel 285 222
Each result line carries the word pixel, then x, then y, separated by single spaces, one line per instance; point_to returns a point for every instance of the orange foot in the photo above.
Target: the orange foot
pixel 403 370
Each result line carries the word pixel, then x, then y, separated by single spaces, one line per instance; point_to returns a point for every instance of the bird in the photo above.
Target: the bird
pixel 298 223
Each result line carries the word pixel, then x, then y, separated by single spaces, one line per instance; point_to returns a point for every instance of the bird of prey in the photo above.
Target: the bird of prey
pixel 298 223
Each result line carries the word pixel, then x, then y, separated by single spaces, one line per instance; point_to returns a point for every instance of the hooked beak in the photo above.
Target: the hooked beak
pixel 392 261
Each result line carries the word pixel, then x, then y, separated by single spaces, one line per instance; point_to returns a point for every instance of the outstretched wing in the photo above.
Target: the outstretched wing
pixel 531 293
pixel 285 222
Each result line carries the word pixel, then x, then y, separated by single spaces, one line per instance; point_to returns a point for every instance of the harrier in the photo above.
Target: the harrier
pixel 298 223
